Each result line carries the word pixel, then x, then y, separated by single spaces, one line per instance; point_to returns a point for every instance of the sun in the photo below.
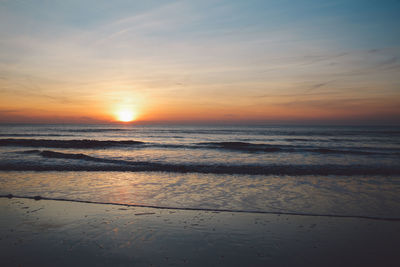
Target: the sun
pixel 125 115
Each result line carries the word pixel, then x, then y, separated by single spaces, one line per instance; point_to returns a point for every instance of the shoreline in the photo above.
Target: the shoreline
pixel 380 218
pixel 63 233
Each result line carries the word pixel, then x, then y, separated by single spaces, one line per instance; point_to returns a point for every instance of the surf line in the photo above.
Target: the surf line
pixel 10 196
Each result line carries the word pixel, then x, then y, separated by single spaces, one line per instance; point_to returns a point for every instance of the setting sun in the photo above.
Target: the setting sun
pixel 126 115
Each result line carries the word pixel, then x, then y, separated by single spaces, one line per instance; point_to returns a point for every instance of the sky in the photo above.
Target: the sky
pixel 200 61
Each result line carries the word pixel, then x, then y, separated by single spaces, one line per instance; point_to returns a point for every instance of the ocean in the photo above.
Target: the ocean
pixel 314 170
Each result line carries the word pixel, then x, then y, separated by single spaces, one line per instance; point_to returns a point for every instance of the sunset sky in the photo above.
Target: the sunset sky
pixel 200 61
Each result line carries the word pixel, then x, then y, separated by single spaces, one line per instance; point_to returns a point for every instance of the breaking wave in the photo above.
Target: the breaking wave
pixel 231 146
pixel 95 130
pixel 82 144
pixel 104 164
pixel 33 135
pixel 251 147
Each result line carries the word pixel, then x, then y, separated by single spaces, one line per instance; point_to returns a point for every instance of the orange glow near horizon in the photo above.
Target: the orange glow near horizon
pixel 126 115
pixel 134 108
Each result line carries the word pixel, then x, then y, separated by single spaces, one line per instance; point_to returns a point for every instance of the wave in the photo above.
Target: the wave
pixel 330 139
pixel 82 144
pixel 251 147
pixel 95 130
pixel 245 147
pixel 370 132
pixel 379 133
pixel 79 156
pixel 33 135
pixel 381 218
pixel 144 166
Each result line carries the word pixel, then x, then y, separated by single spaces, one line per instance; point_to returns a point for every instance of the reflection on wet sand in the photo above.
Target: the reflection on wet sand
pixel 103 235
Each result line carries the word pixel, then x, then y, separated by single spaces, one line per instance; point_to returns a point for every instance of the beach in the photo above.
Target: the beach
pixel 63 233
pixel 200 133
pixel 124 195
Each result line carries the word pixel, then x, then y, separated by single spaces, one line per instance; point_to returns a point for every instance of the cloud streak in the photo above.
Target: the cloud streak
pixel 222 53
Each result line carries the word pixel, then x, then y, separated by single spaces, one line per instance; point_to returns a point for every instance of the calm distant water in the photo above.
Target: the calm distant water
pixel 319 169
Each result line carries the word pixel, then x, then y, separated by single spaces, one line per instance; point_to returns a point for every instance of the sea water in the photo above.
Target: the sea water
pixel 335 170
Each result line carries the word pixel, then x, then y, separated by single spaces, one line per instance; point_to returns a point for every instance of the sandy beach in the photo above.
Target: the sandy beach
pixel 61 233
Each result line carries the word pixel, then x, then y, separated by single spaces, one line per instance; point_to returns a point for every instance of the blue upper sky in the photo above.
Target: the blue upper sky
pixel 340 55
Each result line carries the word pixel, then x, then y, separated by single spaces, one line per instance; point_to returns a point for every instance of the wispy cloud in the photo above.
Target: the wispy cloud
pixel 226 53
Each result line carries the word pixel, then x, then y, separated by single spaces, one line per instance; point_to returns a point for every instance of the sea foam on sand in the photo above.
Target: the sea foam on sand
pixel 60 233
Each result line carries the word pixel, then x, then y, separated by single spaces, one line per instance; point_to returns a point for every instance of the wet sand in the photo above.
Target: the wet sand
pixel 61 233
